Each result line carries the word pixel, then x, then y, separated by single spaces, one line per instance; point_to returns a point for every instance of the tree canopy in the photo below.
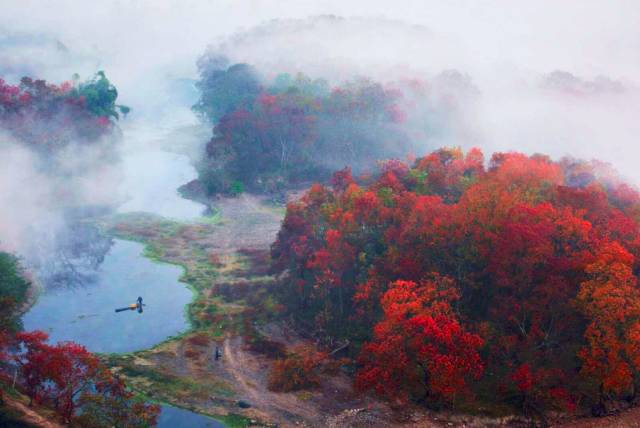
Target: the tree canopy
pixel 514 282
pixel 47 116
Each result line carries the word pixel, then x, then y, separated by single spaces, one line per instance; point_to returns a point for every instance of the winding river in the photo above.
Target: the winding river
pixel 84 312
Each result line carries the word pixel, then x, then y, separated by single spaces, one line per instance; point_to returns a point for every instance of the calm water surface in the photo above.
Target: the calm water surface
pixel 173 417
pixel 85 313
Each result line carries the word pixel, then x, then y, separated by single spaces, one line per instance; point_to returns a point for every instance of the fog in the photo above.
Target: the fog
pixel 149 49
pixel 138 41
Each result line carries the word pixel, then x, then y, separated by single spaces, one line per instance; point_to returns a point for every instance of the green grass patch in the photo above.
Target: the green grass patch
pixel 213 218
pixel 164 384
pixel 234 421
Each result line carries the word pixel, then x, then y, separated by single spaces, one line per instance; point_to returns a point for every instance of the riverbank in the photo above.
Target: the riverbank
pixel 182 370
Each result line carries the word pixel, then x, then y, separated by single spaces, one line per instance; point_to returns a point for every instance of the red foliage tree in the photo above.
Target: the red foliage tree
pixel 69 377
pixel 419 348
pixel 34 362
pixel 541 258
pixel 72 370
pixel 110 404
pixel 49 116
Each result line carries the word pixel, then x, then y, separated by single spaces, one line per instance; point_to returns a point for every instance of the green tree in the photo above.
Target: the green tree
pixel 100 96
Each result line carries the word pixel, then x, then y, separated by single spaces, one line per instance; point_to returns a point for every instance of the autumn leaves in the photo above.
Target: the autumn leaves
pixel 515 282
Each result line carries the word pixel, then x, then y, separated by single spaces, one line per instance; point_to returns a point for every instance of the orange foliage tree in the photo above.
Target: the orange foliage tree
pixel 300 369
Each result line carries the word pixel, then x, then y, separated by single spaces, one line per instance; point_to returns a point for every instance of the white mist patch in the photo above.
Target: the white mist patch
pixel 39 190
pixel 41 55
pixel 151 180
pixel 338 48
pixel 155 163
pixel 588 126
pixel 26 196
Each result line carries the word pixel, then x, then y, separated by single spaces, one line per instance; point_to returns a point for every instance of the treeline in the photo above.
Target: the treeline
pixel 455 283
pixel 48 116
pixel 64 377
pixel 292 130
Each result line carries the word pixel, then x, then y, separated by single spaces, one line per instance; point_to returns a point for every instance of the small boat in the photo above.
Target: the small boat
pixel 132 307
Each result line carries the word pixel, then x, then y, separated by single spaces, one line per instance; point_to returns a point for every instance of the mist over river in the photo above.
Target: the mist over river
pixel 82 309
pixel 155 164
pixel 78 298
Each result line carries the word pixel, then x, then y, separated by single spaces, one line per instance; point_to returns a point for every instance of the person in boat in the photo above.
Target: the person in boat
pixel 132 307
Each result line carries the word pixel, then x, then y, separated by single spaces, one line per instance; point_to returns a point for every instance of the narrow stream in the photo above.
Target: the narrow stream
pixel 83 310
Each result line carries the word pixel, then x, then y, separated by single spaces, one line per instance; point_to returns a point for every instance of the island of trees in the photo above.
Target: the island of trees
pixel 270 135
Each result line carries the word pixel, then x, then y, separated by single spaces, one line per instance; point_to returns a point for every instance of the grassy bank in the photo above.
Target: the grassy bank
pixel 182 370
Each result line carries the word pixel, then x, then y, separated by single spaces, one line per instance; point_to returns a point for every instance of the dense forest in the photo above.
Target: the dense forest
pixel 293 129
pixel 513 284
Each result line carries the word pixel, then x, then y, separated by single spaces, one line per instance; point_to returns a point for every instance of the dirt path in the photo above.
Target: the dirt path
pixel 250 375
pixel 248 222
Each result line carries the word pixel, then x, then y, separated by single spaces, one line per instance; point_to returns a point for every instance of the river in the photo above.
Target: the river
pixel 84 311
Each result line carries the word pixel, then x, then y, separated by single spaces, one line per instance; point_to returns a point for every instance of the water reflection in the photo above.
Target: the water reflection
pixel 77 252
pixel 87 315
